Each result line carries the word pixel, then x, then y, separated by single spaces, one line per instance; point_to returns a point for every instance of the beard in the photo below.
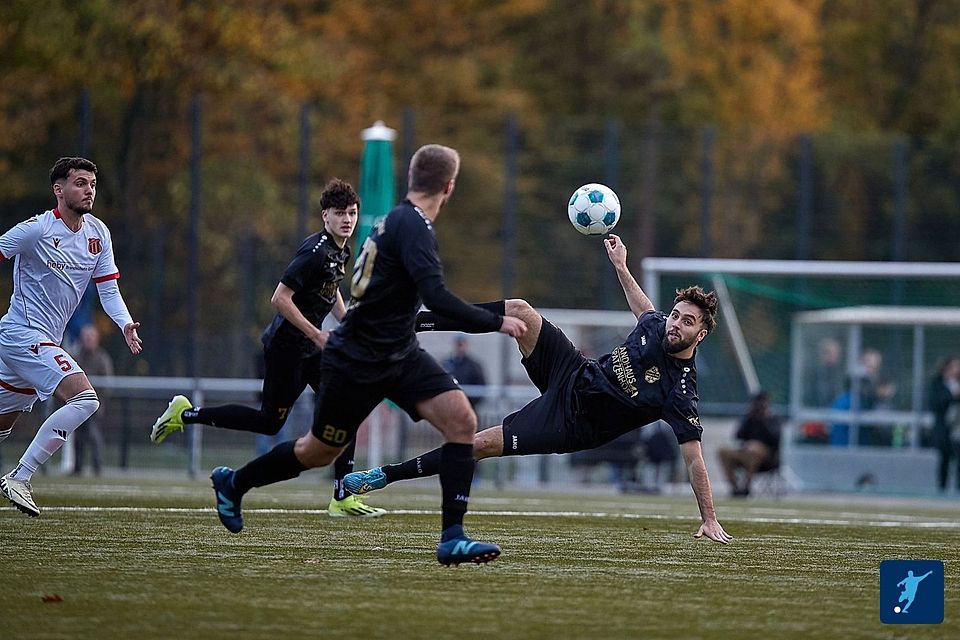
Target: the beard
pixel 80 206
pixel 678 346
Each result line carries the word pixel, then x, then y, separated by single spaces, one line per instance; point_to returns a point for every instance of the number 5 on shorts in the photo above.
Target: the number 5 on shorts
pixel 63 362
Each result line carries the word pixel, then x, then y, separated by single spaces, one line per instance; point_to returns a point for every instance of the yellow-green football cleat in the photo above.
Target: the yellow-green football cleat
pixel 353 507
pixel 170 420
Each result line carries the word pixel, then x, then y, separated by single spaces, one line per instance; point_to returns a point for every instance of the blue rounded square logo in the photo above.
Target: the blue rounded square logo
pixel 911 591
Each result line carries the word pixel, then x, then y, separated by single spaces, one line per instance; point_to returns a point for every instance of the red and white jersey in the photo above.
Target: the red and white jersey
pixel 52 267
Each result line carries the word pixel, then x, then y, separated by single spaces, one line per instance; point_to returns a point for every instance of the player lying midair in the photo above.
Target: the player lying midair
pixel 585 403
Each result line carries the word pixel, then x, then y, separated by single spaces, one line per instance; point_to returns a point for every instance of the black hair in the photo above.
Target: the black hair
pixel 61 168
pixel 338 194
pixel 706 300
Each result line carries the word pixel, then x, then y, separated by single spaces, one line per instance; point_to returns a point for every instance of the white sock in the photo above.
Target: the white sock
pixel 54 432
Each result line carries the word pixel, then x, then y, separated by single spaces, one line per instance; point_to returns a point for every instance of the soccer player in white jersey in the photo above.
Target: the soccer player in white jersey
pixel 56 254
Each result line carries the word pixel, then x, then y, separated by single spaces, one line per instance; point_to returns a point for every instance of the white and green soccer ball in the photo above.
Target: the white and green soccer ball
pixel 594 209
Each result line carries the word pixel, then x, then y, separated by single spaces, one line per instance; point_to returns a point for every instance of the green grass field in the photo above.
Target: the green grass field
pixel 148 559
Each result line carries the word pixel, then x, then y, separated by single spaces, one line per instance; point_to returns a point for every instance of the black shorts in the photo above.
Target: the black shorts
pixel 343 401
pixel 546 424
pixel 286 374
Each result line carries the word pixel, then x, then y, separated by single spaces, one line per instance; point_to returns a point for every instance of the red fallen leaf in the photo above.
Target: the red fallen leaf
pixel 53 597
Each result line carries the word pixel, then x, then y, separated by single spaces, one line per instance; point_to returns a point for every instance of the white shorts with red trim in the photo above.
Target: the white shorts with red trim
pixel 31 367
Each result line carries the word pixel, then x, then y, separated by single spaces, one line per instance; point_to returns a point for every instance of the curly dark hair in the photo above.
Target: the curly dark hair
pixel 338 194
pixel 706 300
pixel 61 168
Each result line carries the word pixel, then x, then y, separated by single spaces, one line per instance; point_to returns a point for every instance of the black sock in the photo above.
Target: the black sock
pixel 274 466
pixel 456 474
pixel 341 468
pixel 430 321
pixel 426 464
pixel 232 416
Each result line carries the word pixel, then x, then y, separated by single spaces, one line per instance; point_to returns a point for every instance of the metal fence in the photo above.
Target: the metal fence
pixel 203 230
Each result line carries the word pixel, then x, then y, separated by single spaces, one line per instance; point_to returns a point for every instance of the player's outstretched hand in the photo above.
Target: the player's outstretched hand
pixel 616 250
pixel 133 340
pixel 513 327
pixel 713 530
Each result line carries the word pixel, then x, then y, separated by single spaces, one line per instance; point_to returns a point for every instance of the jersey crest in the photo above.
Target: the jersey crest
pixel 94 245
pixel 651 375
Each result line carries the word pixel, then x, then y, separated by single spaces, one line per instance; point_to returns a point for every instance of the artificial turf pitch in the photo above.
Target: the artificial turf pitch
pixel 128 558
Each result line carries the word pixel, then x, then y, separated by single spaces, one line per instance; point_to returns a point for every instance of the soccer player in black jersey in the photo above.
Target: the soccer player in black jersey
pixel 374 354
pixel 585 403
pixel 293 342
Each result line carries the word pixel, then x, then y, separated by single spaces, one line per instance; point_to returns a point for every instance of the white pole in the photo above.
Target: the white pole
pixel 196 434
pixel 732 324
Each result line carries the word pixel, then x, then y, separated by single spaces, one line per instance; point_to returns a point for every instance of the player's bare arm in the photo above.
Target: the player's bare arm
pixel 697 470
pixel 339 308
pixel 282 299
pixel 636 298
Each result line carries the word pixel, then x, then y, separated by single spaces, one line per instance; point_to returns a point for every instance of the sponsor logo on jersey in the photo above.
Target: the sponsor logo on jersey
pixel 69 266
pixel 643 341
pixel 514 438
pixel 624 371
pixel 694 420
pixel 94 245
pixel 651 375
pixel 56 243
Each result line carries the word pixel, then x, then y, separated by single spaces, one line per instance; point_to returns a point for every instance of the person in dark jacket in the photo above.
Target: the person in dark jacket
pixel 759 450
pixel 943 396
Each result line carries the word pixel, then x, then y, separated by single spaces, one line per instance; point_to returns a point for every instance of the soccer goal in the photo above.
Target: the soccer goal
pixel 845 349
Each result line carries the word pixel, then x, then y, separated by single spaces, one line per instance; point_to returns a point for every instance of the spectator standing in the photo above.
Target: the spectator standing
pixel 943 397
pixel 93 359
pixel 467 371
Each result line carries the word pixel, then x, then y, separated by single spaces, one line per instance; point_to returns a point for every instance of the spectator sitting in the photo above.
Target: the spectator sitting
pixel 759 450
pixel 875 392
pixel 825 378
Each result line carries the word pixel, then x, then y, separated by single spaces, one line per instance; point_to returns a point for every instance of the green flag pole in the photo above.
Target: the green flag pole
pixel 377 187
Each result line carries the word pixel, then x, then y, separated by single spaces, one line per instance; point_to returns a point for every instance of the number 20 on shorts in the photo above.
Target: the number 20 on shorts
pixel 334 435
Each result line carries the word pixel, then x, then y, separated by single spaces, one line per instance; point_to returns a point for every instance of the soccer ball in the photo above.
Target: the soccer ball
pixel 594 209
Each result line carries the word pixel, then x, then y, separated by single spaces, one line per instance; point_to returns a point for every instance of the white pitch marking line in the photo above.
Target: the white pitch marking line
pixel 917 524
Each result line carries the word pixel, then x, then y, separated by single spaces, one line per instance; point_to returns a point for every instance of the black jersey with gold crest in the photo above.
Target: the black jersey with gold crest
pixel 644 382
pixel 314 275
